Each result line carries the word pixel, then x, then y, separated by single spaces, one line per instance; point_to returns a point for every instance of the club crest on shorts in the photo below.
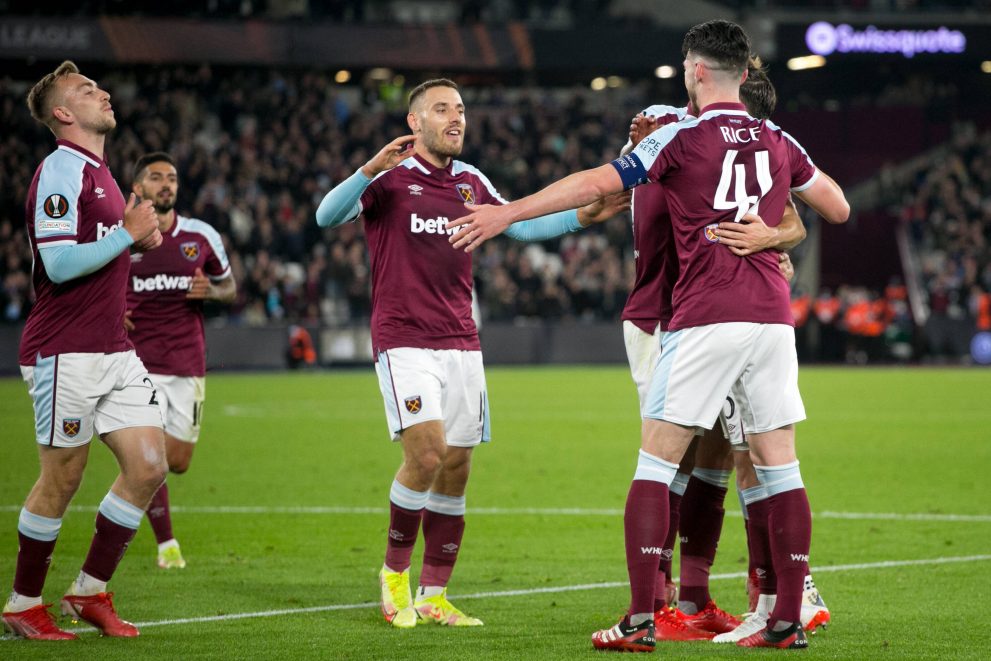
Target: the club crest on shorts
pixel 190 250
pixel 467 193
pixel 70 426
pixel 710 232
pixel 413 404
pixel 55 206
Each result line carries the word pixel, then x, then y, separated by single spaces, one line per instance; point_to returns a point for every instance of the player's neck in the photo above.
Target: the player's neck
pixel 166 220
pixel 91 142
pixel 707 97
pixel 435 160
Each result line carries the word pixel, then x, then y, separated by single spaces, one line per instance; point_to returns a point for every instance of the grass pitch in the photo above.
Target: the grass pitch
pixel 282 519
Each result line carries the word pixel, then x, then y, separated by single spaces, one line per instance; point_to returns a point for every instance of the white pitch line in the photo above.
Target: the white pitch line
pixel 523 511
pixel 546 590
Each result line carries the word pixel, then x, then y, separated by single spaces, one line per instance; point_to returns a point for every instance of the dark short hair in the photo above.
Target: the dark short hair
pixel 757 91
pixel 421 89
pixel 725 43
pixel 154 157
pixel 40 96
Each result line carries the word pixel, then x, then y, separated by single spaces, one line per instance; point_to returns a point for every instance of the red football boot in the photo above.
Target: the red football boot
pixel 98 610
pixel 792 638
pixel 626 638
pixel 669 624
pixel 713 618
pixel 36 623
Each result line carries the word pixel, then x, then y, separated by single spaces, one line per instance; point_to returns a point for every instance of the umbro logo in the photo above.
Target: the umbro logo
pixel 99 192
pixel 450 548
pixel 414 189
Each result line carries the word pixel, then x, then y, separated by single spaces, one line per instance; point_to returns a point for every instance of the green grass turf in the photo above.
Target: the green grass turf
pixel 877 440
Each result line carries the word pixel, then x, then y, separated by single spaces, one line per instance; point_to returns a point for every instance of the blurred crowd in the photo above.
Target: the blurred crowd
pixel 257 150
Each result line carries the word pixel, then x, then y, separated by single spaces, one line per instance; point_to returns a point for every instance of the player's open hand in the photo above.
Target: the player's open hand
pixel 642 126
pixel 128 324
pixel 785 266
pixel 484 222
pixel 748 236
pixel 200 287
pixel 604 208
pixel 139 219
pixel 150 242
pixel 390 156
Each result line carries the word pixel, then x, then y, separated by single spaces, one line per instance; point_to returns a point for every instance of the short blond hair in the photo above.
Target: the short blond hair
pixel 422 88
pixel 40 96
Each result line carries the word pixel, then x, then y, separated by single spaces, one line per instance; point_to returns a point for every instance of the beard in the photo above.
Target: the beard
pixel 438 146
pixel 164 207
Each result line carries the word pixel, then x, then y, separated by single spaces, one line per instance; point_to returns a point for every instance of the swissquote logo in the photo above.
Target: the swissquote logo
pixel 436 225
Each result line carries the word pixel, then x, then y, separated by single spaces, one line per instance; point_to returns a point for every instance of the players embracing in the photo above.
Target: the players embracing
pixel 731 332
pixel 429 360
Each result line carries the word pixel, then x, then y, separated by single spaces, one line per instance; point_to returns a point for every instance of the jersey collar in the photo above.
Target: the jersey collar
pixel 85 154
pixel 430 167
pixel 718 107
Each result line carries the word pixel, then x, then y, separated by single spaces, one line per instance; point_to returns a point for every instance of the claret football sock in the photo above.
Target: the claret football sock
pixel 160 516
pixel 790 526
pixel 645 522
pixel 702 516
pixel 36 537
pixel 759 538
pixel 443 529
pixel 405 512
pixel 116 523
pixel 665 580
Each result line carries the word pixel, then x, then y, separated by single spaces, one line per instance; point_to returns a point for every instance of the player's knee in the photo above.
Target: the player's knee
pixel 179 465
pixel 428 462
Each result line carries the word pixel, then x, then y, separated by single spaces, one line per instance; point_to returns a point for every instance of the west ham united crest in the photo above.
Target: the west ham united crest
pixel 71 426
pixel 413 404
pixel 190 250
pixel 710 232
pixel 467 193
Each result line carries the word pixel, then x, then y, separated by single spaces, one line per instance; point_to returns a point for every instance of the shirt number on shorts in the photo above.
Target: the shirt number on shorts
pixel 742 202
pixel 154 393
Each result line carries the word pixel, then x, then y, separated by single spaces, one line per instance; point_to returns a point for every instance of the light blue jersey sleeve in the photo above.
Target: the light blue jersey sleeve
pixel 343 202
pixel 66 262
pixel 545 227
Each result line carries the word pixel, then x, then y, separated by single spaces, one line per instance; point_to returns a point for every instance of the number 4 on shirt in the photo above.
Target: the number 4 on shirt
pixel 742 202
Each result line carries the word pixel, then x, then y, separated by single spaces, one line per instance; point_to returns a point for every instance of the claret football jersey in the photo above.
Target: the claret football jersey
pixel 168 327
pixel 421 285
pixel 714 168
pixel 73 199
pixel 656 261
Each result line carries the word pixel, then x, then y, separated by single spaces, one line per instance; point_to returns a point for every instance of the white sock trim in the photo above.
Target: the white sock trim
pixel 679 484
pixel 120 511
pixel 449 505
pixel 38 527
pixel 655 469
pixel 779 479
pixel 714 476
pixel 407 498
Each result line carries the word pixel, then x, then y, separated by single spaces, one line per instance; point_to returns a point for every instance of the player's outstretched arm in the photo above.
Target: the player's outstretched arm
pixel 341 204
pixel 752 234
pixel 563 222
pixel 576 190
pixel 826 197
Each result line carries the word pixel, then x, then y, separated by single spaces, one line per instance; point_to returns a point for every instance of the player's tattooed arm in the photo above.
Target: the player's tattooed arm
pixel 752 234
pixel 203 289
pixel 604 208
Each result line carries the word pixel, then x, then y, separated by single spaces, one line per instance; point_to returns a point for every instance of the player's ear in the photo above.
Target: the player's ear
pixel 413 121
pixel 62 114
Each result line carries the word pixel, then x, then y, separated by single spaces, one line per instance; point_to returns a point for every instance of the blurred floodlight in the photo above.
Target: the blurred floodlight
pixel 342 76
pixel 614 81
pixel 599 84
pixel 806 62
pixel 665 71
pixel 986 66
pixel 380 73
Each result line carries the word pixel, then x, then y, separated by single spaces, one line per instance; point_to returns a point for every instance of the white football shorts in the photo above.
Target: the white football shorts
pixel 77 393
pixel 181 400
pixel 754 364
pixel 435 384
pixel 642 351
